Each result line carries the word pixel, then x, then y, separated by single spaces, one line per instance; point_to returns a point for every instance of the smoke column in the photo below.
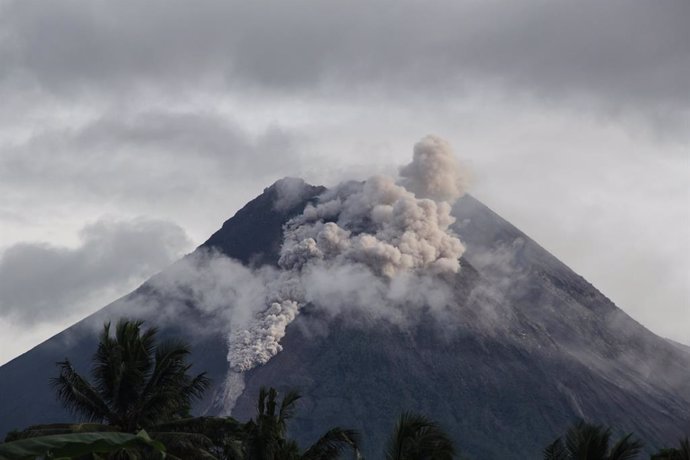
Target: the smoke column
pixel 391 232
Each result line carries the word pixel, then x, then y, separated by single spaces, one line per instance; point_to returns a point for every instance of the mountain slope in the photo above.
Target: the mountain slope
pixel 530 347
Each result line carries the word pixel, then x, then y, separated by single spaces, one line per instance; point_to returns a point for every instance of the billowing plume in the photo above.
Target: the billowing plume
pixel 434 172
pixel 377 224
pixel 385 244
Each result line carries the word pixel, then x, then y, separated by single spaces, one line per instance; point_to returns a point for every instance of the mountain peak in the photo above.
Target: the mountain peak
pixel 253 234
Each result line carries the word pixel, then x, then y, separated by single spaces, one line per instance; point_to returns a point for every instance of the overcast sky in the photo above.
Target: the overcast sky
pixel 129 131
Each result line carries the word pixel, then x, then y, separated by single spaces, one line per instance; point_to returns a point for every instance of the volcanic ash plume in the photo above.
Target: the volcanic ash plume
pixel 434 172
pixel 375 233
pixel 377 224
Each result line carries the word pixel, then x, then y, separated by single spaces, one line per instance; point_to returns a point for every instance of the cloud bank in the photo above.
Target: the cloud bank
pixel 39 282
pixel 617 53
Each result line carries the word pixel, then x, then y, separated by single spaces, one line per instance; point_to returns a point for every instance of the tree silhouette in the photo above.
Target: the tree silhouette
pixel 585 441
pixel 266 436
pixel 137 382
pixel 417 438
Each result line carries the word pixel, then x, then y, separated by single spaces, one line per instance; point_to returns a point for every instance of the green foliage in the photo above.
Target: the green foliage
pixel 137 382
pixel 68 446
pixel 265 437
pixel 555 451
pixel 196 437
pixel 418 438
pixel 58 428
pixel 220 437
pixel 585 441
pixel 682 452
pixel 332 444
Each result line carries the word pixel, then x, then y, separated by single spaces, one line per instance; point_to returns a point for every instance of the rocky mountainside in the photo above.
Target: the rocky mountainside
pixel 527 347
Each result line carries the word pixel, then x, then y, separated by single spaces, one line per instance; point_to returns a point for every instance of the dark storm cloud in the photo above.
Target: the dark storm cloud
pixel 619 53
pixel 40 282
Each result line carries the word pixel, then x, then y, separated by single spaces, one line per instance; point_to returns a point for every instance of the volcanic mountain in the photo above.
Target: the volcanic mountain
pixel 512 350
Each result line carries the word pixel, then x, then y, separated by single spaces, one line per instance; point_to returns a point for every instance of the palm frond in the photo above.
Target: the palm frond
pixel 78 395
pixel 271 404
pixel 287 405
pixel 137 382
pixel 261 404
pixel 417 437
pixel 584 440
pixel 685 449
pixel 625 449
pixel 555 451
pixel 169 388
pixel 332 444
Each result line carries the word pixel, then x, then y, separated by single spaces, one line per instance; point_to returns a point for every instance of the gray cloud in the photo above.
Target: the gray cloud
pixel 101 154
pixel 625 55
pixel 40 282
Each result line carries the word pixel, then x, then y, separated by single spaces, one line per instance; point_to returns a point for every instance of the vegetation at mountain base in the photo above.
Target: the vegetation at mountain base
pixel 265 438
pixel 418 438
pixel 137 381
pixel 682 452
pixel 82 445
pixel 137 403
pixel 592 442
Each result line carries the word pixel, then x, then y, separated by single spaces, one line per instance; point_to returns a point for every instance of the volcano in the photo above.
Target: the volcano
pixel 523 348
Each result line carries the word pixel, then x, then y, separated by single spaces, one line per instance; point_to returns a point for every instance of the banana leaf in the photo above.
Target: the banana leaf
pixel 67 446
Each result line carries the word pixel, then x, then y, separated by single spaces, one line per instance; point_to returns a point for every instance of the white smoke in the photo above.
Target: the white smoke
pixel 376 245
pixel 232 293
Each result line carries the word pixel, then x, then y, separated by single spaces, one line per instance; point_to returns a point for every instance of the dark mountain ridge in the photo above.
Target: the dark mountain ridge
pixel 531 347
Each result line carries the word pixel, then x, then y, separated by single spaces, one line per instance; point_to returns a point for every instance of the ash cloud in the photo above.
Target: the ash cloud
pixel 434 172
pixel 385 226
pixel 371 245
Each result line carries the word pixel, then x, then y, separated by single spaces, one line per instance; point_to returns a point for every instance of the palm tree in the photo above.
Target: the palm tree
pixel 680 453
pixel 585 441
pixel 265 437
pixel 137 382
pixel 418 438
